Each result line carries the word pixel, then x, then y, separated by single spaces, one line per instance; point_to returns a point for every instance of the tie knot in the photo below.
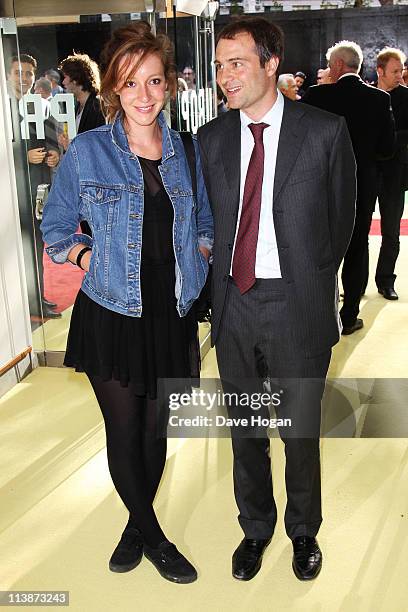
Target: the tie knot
pixel 257 130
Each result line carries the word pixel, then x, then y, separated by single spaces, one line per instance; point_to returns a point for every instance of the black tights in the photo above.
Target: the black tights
pixel 136 456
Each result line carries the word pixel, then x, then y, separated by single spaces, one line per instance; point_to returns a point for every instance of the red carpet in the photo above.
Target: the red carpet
pixel 61 283
pixel 376 227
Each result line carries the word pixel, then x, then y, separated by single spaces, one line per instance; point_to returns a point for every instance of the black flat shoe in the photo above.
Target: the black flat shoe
pixel 129 552
pixel 247 559
pixel 48 304
pixel 350 329
pixel 170 563
pixel 388 292
pixel 48 313
pixel 307 558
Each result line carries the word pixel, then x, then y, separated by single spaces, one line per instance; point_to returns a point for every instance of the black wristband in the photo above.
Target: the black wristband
pixel 80 256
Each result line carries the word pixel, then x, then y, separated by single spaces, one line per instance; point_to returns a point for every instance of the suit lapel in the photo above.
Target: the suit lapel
pixel 292 134
pixel 231 154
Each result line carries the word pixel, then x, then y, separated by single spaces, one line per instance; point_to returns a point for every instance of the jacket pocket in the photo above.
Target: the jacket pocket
pixel 102 203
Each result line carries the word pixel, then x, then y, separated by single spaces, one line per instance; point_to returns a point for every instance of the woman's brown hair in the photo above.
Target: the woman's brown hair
pixel 126 42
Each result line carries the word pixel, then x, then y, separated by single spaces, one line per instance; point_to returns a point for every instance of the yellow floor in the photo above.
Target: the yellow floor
pixel 61 518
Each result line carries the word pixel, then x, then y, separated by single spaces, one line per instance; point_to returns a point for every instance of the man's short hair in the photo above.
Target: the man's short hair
pixel 44 84
pixel 388 53
pixel 350 52
pixel 268 37
pixel 54 75
pixel 83 70
pixel 301 75
pixel 23 58
pixel 283 81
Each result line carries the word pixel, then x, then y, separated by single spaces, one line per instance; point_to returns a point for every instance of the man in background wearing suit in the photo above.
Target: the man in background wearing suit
pixel 371 125
pixel 281 181
pixel 390 66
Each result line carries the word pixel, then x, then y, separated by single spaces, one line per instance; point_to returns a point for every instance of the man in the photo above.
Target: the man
pixel 55 80
pixel 369 119
pixel 188 75
pixel 283 211
pixel 81 78
pixel 43 156
pixel 287 85
pixel 300 79
pixel 323 76
pixel 390 65
pixel 43 87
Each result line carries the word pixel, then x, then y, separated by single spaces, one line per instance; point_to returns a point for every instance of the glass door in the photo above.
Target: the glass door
pixel 42 41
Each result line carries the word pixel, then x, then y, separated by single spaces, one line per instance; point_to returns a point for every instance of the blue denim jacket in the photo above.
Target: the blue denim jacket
pixel 100 180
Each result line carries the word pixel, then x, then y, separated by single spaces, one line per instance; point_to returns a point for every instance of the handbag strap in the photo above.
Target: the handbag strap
pixel 189 149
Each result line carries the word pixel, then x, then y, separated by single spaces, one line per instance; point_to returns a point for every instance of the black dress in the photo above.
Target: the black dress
pixel 159 344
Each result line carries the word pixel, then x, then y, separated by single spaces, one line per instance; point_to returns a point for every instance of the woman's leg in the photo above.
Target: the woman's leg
pixel 128 448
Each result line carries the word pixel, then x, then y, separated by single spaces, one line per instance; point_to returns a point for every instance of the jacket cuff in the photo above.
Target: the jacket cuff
pixel 59 250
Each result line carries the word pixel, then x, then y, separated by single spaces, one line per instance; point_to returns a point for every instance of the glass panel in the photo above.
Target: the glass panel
pixel 46 108
pixel 194 46
pixel 45 117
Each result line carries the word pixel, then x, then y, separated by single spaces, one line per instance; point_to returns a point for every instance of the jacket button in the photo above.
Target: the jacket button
pixel 225 277
pixel 175 190
pixel 230 246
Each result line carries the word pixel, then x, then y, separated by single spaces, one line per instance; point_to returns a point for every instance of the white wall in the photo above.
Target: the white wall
pixel 15 330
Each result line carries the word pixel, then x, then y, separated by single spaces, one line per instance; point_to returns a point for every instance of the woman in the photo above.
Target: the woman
pixel 145 265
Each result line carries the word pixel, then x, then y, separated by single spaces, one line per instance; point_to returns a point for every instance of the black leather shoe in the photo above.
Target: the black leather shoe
pixel 350 329
pixel 50 314
pixel 170 563
pixel 129 552
pixel 247 559
pixel 48 304
pixel 388 292
pixel 307 558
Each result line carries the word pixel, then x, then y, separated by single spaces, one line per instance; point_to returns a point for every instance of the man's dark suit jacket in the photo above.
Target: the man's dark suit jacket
pixel 92 116
pixel 313 212
pixel 368 114
pixel 397 166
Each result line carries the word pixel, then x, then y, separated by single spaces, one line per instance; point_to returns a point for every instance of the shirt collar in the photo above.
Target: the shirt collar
pixel 270 117
pixel 120 140
pixel 347 74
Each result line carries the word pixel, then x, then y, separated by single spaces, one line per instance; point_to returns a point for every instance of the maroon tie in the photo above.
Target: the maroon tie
pixel 243 264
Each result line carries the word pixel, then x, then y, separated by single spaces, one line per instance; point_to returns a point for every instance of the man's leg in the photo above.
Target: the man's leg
pixel 239 371
pixel 391 201
pixel 354 273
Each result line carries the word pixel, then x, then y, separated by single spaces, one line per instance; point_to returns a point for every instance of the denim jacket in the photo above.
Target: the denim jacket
pixel 100 180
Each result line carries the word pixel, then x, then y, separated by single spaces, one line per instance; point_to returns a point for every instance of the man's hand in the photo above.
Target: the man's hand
pixel 52 158
pixel 36 156
pixel 63 140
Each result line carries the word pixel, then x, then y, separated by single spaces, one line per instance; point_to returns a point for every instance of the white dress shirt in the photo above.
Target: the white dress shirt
pixel 267 258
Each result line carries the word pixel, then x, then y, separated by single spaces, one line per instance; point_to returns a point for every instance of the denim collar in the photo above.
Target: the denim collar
pixel 119 137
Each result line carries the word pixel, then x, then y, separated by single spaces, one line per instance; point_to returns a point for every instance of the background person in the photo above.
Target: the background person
pixel 287 85
pixel 391 199
pixel 43 157
pixel 133 321
pixel 371 125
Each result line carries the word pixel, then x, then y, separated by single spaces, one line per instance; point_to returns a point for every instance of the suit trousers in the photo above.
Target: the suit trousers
pixel 391 201
pixel 354 275
pixel 255 345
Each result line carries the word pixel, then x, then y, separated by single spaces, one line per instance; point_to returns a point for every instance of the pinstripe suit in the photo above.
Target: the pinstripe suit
pixel 282 327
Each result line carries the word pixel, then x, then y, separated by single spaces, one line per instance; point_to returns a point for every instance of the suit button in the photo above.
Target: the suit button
pixel 225 277
pixel 230 246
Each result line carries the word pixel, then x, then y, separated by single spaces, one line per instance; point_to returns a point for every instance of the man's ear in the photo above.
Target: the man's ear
pixel 271 66
pixel 380 71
